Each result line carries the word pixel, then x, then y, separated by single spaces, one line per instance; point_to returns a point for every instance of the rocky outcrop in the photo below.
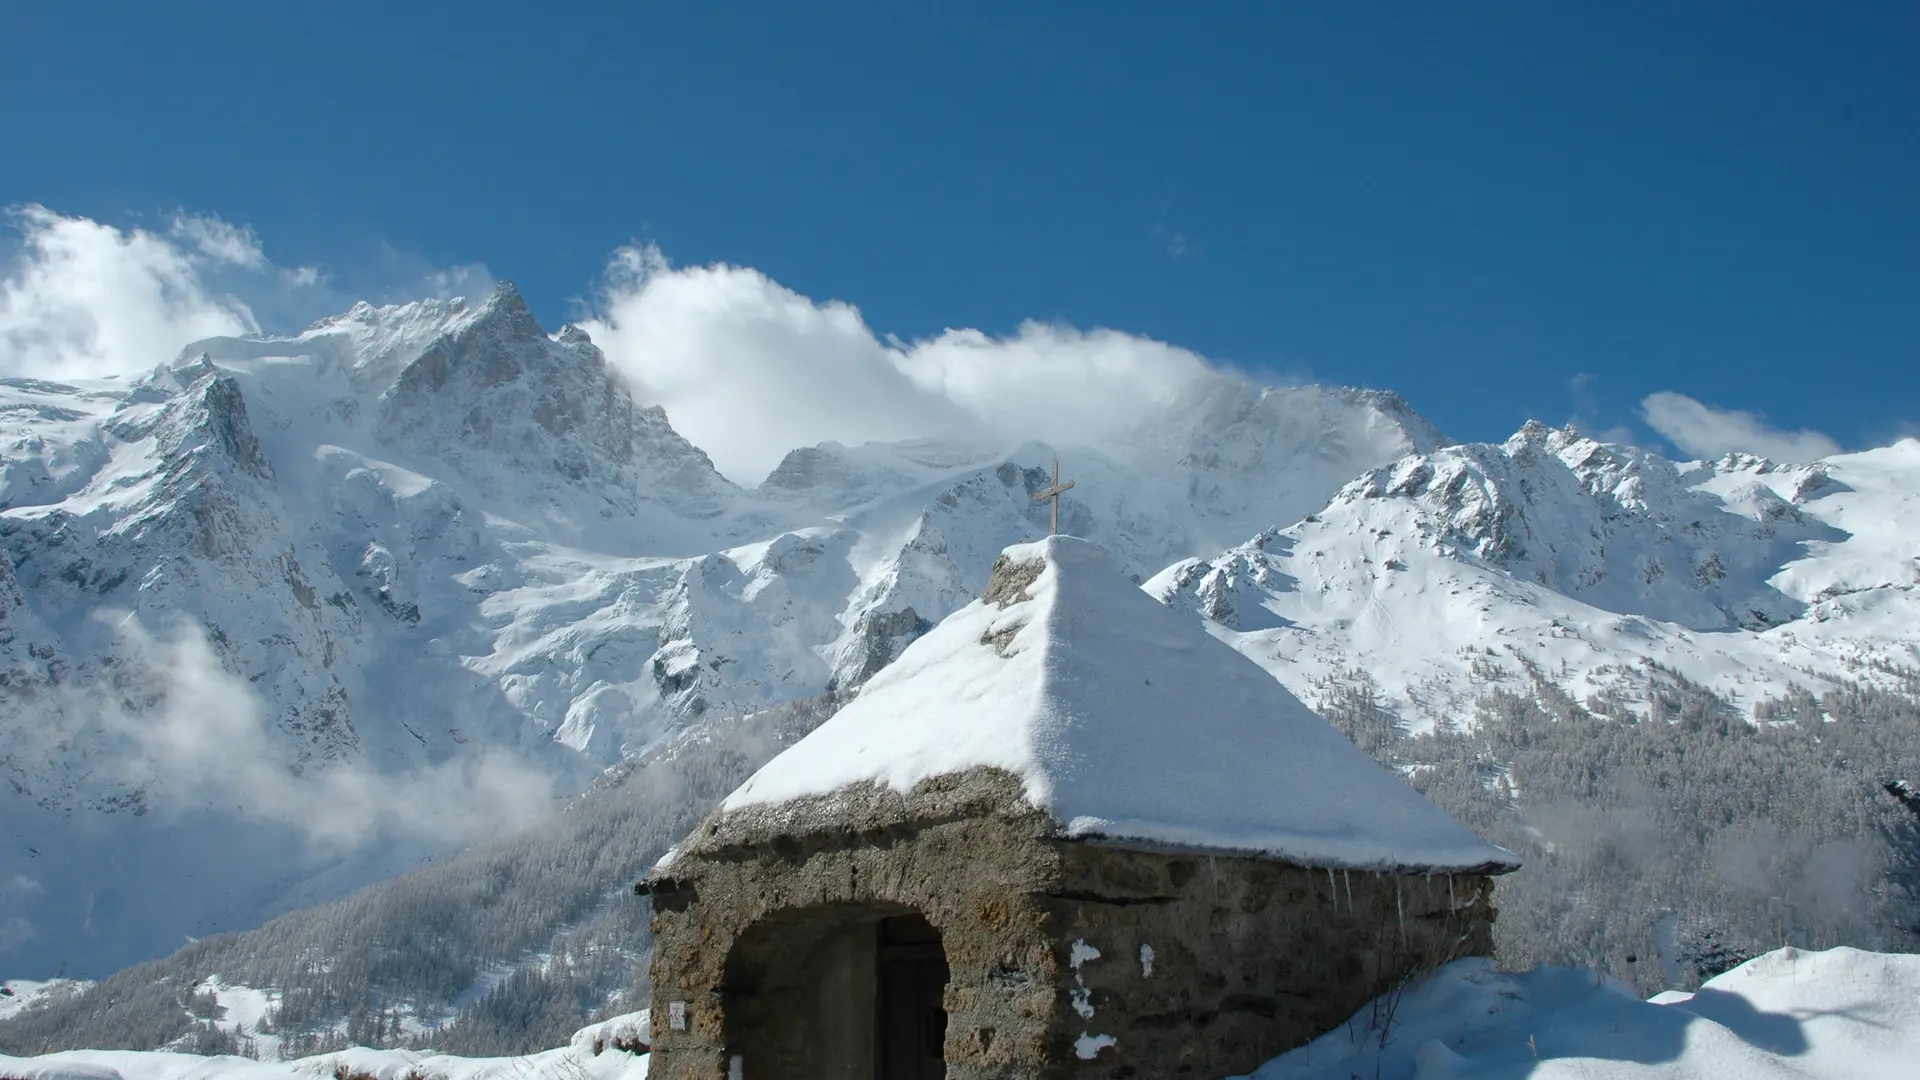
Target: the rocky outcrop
pixel 496 396
pixel 876 640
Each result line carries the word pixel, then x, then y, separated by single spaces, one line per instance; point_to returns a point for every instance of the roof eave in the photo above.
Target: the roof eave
pixel 1488 868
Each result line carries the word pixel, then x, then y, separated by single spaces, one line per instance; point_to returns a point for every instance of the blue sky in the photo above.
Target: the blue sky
pixel 1502 210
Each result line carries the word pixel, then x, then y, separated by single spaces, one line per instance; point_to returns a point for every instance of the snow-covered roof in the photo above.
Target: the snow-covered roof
pixel 1125 721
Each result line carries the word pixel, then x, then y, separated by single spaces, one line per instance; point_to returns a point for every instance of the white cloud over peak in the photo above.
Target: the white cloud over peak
pixel 746 367
pixel 82 298
pixel 749 369
pixel 1704 431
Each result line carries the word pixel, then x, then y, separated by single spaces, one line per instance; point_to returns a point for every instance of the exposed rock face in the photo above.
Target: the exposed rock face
pixel 1007 584
pixel 1065 959
pixel 878 637
pixel 806 468
pixel 496 394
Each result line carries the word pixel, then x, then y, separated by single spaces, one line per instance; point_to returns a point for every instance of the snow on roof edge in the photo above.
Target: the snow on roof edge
pixel 1294 855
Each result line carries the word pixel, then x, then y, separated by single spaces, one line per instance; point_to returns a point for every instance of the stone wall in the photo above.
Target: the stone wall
pixel 1066 959
pixel 759 917
pixel 1206 966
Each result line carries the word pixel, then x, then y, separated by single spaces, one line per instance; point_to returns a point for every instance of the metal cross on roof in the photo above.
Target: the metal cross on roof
pixel 1054 493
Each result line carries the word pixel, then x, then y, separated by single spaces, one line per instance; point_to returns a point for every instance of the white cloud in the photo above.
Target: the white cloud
pixel 1705 431
pixel 749 369
pixel 221 241
pixel 1585 406
pixel 81 298
pixel 201 739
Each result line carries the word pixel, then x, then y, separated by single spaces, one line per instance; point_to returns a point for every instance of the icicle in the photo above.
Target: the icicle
pixel 1346 878
pixel 1333 890
pixel 1452 904
pixel 1399 908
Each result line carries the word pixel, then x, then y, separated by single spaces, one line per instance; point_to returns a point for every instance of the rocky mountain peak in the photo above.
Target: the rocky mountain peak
pixel 496 394
pixel 190 409
pixel 504 307
pixel 808 467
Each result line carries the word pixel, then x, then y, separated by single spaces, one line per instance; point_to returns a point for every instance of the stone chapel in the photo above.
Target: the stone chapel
pixel 1067 833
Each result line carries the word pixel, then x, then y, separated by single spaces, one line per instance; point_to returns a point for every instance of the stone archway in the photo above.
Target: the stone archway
pixel 836 992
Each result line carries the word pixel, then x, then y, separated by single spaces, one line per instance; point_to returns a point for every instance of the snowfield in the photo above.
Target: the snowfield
pixel 594 1053
pixel 1554 557
pixel 1841 1014
pixel 16 995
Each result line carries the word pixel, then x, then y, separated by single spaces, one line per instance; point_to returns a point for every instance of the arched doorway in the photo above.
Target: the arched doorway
pixel 838 992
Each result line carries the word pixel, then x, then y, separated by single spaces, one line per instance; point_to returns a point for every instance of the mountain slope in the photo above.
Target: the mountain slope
pixel 289 615
pixel 511 940
pixel 1541 549
pixel 422 566
pixel 1446 574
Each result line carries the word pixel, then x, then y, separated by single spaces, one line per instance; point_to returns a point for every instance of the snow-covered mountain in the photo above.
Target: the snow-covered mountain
pixel 286 615
pixel 1449 572
pixel 281 579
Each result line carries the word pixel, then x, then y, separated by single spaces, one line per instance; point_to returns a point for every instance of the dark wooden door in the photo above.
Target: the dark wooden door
pixel 912 1021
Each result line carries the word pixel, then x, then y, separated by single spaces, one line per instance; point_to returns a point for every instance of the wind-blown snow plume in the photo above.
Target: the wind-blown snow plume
pixel 1705 431
pixel 749 369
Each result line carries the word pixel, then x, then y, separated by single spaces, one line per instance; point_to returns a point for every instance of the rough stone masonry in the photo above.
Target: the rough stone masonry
pixel 1067 958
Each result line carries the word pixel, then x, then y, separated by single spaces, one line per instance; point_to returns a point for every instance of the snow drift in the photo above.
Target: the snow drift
pixel 1841 1014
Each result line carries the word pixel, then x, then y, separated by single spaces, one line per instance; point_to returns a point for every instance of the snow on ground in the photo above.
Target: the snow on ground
pixel 1125 720
pixel 599 1052
pixel 241 1011
pixel 1869 495
pixel 1841 1014
pixel 50 432
pixel 19 994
